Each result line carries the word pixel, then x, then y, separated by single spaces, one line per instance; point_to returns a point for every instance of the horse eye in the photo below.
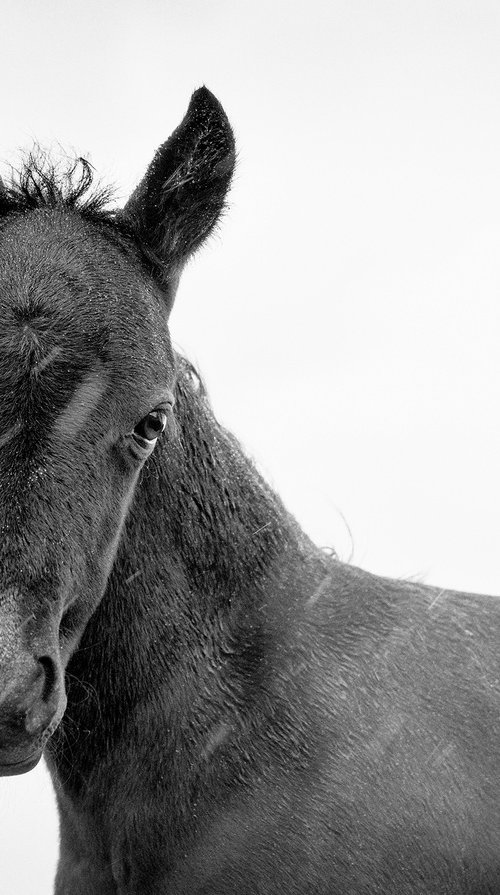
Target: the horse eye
pixel 151 426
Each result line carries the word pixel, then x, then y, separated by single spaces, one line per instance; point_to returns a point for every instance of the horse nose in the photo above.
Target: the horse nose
pixel 42 704
pixel 28 701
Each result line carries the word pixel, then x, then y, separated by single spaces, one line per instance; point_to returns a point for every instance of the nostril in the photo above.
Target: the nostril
pixel 30 698
pixel 49 670
pixel 43 702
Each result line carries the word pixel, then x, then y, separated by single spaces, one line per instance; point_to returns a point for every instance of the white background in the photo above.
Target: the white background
pixel 346 318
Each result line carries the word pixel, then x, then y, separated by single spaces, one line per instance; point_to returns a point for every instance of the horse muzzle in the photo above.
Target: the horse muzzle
pixel 32 702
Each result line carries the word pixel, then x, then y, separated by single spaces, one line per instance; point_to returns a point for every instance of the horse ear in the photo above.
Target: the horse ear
pixel 180 199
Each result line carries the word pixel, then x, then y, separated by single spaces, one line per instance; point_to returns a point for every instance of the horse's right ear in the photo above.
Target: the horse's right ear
pixel 180 199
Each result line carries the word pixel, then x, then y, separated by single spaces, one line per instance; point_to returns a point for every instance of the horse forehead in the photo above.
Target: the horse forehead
pixel 60 250
pixel 56 266
pixel 68 297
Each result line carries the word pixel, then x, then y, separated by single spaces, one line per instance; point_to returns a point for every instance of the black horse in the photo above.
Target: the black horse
pixel 224 709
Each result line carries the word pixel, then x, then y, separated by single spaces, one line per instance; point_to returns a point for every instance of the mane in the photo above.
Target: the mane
pixel 191 378
pixel 43 183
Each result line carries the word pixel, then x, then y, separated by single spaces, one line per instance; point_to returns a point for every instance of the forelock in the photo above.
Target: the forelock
pixel 42 182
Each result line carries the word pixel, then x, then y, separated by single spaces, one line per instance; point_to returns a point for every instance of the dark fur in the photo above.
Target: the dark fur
pixel 245 714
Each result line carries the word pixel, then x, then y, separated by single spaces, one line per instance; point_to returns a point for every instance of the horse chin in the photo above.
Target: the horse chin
pixel 21 759
pixel 22 766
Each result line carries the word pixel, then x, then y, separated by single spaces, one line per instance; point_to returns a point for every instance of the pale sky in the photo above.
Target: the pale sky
pixel 347 316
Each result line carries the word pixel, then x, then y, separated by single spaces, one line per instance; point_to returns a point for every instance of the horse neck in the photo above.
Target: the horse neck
pixel 209 507
pixel 196 618
pixel 207 552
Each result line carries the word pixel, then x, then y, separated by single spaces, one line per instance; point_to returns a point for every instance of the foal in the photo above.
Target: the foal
pixel 224 709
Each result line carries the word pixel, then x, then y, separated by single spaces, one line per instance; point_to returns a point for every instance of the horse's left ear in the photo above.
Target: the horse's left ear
pixel 180 199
